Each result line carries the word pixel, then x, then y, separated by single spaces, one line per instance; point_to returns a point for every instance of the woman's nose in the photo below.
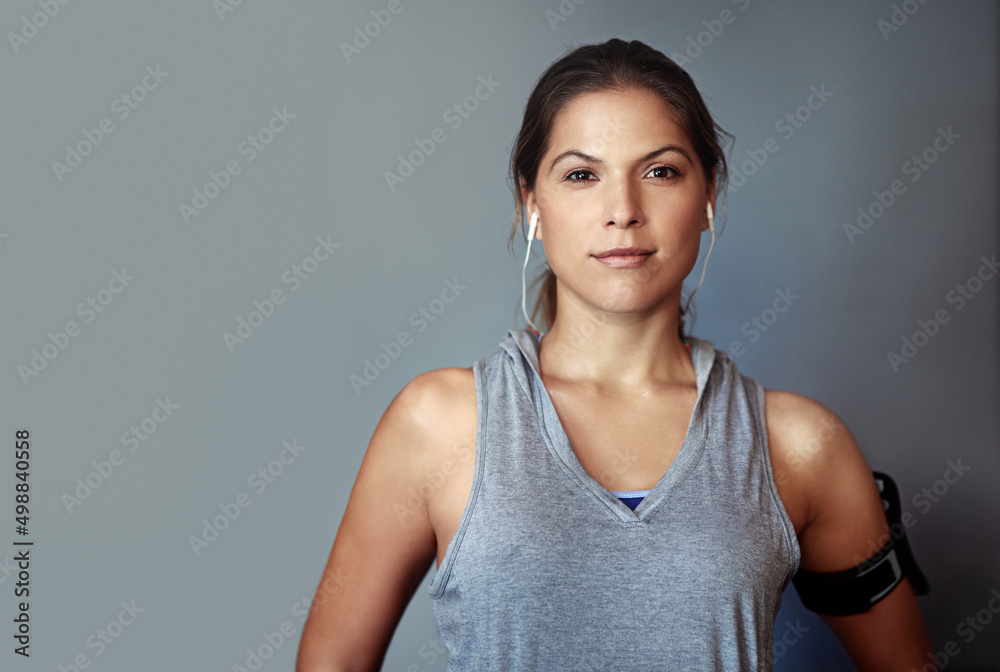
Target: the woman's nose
pixel 623 208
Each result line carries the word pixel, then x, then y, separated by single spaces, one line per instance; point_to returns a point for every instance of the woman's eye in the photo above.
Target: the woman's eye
pixel 664 174
pixel 578 172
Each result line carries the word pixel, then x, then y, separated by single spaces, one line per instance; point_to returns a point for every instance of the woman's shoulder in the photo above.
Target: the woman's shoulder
pixel 440 406
pixel 815 457
pixel 433 396
pixel 805 431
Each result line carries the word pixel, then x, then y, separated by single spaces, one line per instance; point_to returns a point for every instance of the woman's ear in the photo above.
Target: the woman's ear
pixel 711 191
pixel 710 198
pixel 530 207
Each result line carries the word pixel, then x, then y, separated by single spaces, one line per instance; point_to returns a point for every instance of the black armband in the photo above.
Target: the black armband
pixel 856 590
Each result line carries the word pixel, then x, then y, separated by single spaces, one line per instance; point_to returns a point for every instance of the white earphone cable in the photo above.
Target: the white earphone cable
pixel 524 269
pixel 711 227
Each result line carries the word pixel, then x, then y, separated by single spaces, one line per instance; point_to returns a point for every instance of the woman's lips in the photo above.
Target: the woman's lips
pixel 624 260
pixel 624 257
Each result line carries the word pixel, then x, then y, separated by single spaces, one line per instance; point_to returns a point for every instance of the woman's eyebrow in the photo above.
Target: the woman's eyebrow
pixel 593 159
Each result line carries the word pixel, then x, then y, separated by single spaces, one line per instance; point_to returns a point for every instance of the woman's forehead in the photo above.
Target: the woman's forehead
pixel 613 121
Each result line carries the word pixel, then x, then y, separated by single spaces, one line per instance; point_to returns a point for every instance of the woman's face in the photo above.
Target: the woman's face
pixel 619 173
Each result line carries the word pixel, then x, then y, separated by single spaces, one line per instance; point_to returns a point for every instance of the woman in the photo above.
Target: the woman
pixel 609 494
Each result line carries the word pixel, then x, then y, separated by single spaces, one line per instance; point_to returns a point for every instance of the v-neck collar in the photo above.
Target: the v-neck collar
pixel 702 358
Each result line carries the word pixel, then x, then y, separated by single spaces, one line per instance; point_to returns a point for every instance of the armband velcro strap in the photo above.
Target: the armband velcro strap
pixel 851 591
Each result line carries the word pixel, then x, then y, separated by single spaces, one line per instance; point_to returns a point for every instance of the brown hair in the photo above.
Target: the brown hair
pixel 614 64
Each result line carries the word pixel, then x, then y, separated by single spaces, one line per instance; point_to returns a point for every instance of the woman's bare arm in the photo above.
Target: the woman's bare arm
pixel 379 557
pixel 846 520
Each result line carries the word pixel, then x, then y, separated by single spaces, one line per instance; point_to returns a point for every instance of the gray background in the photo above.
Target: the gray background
pixel 323 175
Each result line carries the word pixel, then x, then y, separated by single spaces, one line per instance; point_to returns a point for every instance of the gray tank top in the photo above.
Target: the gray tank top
pixel 550 571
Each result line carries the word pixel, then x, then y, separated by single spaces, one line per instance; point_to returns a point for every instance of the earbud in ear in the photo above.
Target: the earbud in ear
pixel 524 296
pixel 711 227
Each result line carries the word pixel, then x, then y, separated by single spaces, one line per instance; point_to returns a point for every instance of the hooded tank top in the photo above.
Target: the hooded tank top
pixel 548 570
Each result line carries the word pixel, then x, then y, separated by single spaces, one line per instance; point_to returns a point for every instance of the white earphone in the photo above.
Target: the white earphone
pixel 711 227
pixel 531 236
